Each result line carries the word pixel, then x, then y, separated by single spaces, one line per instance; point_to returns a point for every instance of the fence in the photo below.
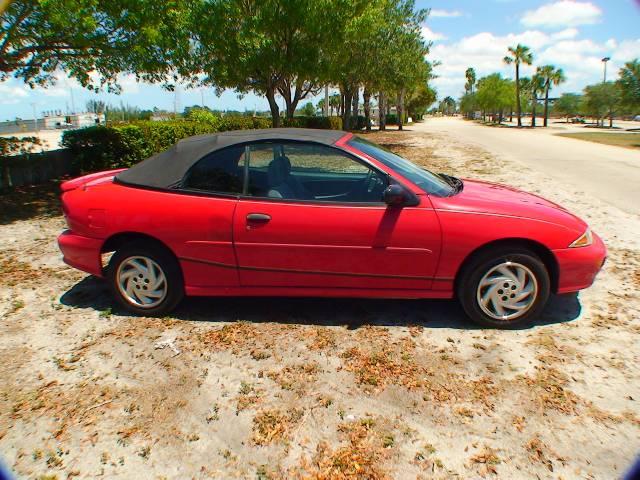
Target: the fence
pixel 35 168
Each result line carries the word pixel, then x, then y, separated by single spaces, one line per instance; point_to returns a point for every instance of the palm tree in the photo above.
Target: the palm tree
pixel 551 76
pixel 536 86
pixel 520 54
pixel 470 75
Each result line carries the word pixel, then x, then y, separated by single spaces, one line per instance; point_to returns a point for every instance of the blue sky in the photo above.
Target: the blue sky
pixel 572 34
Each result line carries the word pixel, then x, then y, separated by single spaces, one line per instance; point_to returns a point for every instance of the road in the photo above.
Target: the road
pixel 611 174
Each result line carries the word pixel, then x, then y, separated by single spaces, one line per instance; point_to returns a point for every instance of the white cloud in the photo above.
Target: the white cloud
pixel 579 58
pixel 566 34
pixel 562 14
pixel 430 35
pixel 626 51
pixel 10 95
pixel 438 13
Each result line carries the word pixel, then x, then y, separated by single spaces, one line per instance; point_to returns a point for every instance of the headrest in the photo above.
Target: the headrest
pixel 279 170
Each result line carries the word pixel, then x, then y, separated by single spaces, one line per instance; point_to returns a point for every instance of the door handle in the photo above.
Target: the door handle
pixel 258 218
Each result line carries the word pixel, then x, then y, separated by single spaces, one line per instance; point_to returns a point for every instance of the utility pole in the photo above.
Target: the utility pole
pixel 73 103
pixel 326 100
pixel 35 118
pixel 202 97
pixel 604 61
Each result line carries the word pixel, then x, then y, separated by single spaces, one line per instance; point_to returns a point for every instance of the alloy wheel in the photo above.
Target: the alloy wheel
pixel 507 291
pixel 141 282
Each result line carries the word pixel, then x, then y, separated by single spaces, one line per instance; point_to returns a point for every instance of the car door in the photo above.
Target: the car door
pixel 315 218
pixel 202 217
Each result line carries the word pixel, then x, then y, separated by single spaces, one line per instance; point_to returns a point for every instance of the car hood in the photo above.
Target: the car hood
pixel 493 198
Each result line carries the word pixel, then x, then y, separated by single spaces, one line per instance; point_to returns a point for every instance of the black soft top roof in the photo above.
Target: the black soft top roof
pixel 167 169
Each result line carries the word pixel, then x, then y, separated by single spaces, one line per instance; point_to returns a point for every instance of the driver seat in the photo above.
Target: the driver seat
pixel 282 184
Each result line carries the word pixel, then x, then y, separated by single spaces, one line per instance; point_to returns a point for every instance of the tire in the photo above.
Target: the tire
pixel 147 294
pixel 504 293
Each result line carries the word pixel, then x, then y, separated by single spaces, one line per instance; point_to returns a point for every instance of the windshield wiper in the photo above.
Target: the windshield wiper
pixel 455 182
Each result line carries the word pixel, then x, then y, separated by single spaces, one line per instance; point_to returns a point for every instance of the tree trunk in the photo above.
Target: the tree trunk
pixel 610 119
pixel 400 109
pixel 534 102
pixel 382 116
pixel 346 114
pixel 273 106
pixel 546 104
pixel 366 97
pixel 518 108
pixel 355 103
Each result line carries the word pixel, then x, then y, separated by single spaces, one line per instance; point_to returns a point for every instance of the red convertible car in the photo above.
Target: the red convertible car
pixel 295 212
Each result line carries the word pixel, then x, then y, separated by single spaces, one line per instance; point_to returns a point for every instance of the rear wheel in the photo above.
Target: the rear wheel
pixel 145 279
pixel 505 288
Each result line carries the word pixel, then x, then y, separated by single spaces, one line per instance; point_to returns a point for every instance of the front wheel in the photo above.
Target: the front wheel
pixel 504 289
pixel 145 279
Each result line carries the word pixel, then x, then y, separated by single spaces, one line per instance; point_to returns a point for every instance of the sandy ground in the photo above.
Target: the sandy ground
pixel 304 388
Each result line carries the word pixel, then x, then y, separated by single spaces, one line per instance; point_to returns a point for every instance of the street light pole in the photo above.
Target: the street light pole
pixel 604 61
pixel 35 118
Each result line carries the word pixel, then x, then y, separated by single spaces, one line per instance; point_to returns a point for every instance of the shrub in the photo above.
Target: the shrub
pixel 391 119
pixel 330 123
pixel 361 122
pixel 125 144
pixel 205 116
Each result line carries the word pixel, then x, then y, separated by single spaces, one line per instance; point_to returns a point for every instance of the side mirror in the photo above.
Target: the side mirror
pixel 396 196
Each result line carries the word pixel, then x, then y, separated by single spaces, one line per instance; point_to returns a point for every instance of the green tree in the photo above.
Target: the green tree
pixel 629 84
pixel 145 37
pixel 550 76
pixel 309 110
pixel 468 104
pixel 518 55
pixel 448 106
pixel 381 50
pixel 494 95
pixel 269 47
pixel 530 89
pixel 601 100
pixel 420 100
pixel 568 105
pixel 334 104
pixel 96 106
pixel 470 75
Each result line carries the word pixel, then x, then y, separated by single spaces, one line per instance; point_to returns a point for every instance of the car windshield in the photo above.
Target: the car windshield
pixel 428 181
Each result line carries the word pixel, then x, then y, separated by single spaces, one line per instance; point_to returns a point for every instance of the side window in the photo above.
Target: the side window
pixel 221 172
pixel 308 171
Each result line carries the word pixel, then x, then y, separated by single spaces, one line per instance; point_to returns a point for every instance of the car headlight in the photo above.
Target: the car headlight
pixel 583 240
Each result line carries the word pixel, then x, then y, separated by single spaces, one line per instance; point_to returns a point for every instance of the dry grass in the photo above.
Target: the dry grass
pixel 274 425
pixel 366 446
pixel 14 272
pixel 295 378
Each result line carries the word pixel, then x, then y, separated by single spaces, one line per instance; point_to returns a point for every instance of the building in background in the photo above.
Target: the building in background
pixel 52 121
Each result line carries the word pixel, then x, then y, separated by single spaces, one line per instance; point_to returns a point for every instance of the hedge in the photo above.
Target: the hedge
pixel 330 123
pixel 122 145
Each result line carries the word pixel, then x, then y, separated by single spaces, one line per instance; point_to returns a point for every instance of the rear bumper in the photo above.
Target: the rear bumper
pixel 578 267
pixel 81 252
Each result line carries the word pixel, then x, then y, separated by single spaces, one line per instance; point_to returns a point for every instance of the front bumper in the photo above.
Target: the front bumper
pixel 578 267
pixel 81 252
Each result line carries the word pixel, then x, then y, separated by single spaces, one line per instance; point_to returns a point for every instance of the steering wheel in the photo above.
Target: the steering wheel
pixel 371 187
